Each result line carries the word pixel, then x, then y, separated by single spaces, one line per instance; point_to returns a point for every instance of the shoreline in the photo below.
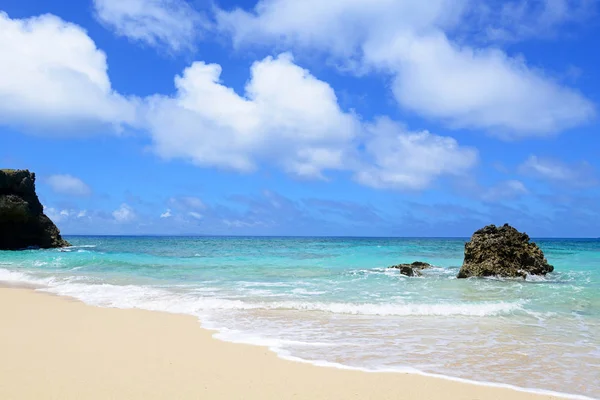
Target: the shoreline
pixel 301 378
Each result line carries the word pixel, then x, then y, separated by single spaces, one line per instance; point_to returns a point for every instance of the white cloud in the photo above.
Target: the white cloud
pixel 124 214
pixel 170 24
pixel 68 185
pixel 52 75
pixel 338 26
pixel 579 174
pixel 410 160
pixel 506 190
pixel 477 88
pixel 166 214
pixel 287 117
pixel 64 215
pixel 434 77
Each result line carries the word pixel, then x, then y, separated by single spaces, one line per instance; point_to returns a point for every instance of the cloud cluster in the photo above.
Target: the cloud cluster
pixel 270 213
pixel 286 117
pixel 291 119
pixel 435 77
pixel 64 215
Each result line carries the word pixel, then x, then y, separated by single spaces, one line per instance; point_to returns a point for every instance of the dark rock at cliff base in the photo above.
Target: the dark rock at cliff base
pixel 504 252
pixel 413 269
pixel 22 220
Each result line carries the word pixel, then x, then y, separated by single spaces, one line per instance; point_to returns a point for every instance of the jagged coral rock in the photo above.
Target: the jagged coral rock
pixel 504 252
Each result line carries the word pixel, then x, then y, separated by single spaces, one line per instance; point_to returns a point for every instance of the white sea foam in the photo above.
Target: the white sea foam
pixel 13 276
pixel 132 296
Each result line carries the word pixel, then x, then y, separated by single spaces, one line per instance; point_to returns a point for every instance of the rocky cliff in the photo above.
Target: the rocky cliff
pixel 23 223
pixel 503 251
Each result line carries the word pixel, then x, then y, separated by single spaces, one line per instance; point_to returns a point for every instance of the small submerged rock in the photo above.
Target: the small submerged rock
pixel 503 252
pixel 413 269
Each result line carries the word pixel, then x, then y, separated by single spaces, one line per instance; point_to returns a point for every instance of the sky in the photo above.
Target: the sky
pixel 305 118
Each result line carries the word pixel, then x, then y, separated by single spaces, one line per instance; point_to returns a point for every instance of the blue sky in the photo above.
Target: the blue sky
pixel 280 117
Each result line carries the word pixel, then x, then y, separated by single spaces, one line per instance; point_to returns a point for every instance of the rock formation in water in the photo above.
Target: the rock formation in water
pixel 23 223
pixel 413 269
pixel 504 252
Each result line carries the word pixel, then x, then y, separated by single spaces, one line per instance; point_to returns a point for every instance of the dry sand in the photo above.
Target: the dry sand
pixel 57 348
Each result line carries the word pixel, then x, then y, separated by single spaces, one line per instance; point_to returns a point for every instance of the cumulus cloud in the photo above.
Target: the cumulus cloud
pixel 124 214
pixel 433 76
pixel 577 174
pixel 52 75
pixel 470 88
pixel 68 185
pixel 287 117
pixel 401 159
pixel 166 214
pixel 167 24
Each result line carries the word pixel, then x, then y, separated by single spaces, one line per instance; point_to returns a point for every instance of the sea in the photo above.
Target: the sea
pixel 334 302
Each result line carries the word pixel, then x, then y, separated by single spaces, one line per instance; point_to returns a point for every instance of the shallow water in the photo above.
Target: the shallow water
pixel 333 300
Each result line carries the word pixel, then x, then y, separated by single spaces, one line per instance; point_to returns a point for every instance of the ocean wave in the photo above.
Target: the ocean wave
pixel 132 296
pixel 162 299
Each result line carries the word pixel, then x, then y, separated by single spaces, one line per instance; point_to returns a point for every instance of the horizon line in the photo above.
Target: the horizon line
pixel 306 236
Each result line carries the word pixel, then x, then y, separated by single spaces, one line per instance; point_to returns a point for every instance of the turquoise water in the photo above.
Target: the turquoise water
pixel 332 301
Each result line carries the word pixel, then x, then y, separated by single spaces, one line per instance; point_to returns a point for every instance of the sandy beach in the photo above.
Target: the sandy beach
pixel 57 348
